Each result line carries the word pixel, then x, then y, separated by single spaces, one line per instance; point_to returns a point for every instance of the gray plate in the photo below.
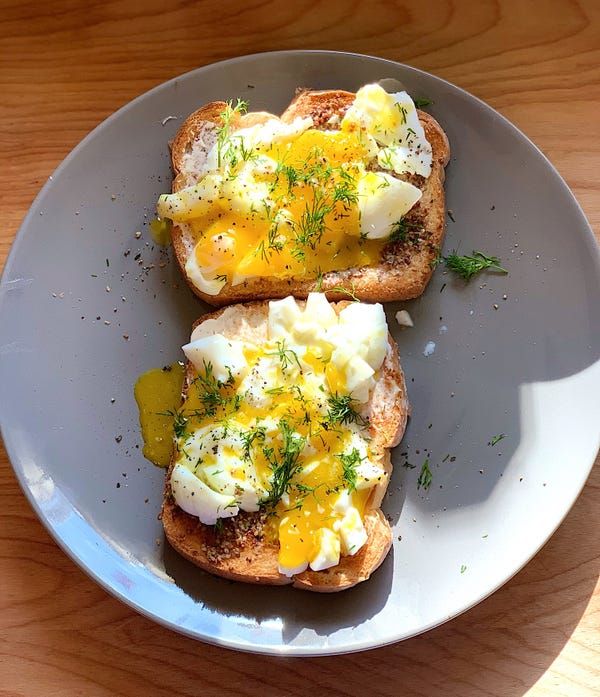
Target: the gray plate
pixel 527 369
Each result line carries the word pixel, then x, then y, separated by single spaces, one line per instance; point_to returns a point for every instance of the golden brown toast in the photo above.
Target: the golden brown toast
pixel 239 550
pixel 405 266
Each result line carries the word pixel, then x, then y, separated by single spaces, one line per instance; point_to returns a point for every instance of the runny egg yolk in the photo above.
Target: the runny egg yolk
pixel 310 509
pixel 310 222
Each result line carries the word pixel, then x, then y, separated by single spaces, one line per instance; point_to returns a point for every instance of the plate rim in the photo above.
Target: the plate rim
pixel 113 589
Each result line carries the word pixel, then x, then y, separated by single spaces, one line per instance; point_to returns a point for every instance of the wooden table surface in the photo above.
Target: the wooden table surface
pixel 65 66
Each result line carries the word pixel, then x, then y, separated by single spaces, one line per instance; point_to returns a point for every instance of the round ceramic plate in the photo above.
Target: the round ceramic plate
pixel 85 307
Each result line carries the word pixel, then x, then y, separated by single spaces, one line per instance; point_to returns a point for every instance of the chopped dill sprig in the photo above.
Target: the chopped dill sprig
pixel 179 421
pixel 402 228
pixel 258 433
pixel 468 266
pixel 224 145
pixel 342 410
pixel 311 226
pixel 285 466
pixel 209 390
pixel 287 356
pixel 421 102
pixel 350 462
pixel 496 439
pixel 340 289
pixel 425 476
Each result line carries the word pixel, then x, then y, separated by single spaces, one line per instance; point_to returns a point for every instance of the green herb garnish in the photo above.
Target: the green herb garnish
pixel 209 390
pixel 224 145
pixel 350 293
pixel 287 356
pixel 425 476
pixel 468 266
pixel 350 462
pixel 402 228
pixel 342 410
pixel 496 439
pixel 258 433
pixel 421 102
pixel 285 466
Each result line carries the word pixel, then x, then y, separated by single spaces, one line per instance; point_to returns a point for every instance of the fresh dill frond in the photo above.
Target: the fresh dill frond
pixel 209 389
pixel 436 261
pixel 421 102
pixel 179 421
pixel 340 289
pixel 258 433
pixel 496 439
pixel 287 356
pixel 350 462
pixel 275 390
pixel 319 282
pixel 311 226
pixel 468 266
pixel 345 190
pixel 403 112
pixel 425 476
pixel 224 145
pixel 292 175
pixel 342 410
pixel 402 228
pixel 285 466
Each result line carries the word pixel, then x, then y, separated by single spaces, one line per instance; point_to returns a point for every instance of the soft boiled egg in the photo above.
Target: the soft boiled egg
pixel 263 432
pixel 283 200
pixel 392 120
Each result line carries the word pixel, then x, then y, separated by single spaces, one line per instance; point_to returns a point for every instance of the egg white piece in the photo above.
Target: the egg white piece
pixel 202 281
pixel 226 356
pixel 196 498
pixel 382 201
pixel 351 531
pixel 263 377
pixel 392 120
pixel 283 314
pixel 369 475
pixel 191 202
pixel 367 326
pixel 328 553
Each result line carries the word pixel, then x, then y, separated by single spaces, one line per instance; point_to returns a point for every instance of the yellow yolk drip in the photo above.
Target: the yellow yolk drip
pixel 318 227
pixel 158 395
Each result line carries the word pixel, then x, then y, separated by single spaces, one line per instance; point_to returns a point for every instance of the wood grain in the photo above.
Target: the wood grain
pixel 66 65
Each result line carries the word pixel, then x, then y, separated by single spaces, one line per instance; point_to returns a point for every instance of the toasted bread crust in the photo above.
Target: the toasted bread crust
pixel 405 267
pixel 242 551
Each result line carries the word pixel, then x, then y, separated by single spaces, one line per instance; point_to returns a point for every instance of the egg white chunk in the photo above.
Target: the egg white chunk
pixel 328 553
pixel 226 356
pixel 196 498
pixel 191 202
pixel 382 201
pixel 283 315
pixel 202 281
pixel 392 120
pixel 351 531
pixel 368 327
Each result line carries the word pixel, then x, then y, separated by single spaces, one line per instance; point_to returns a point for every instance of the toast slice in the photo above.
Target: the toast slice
pixel 405 266
pixel 239 549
